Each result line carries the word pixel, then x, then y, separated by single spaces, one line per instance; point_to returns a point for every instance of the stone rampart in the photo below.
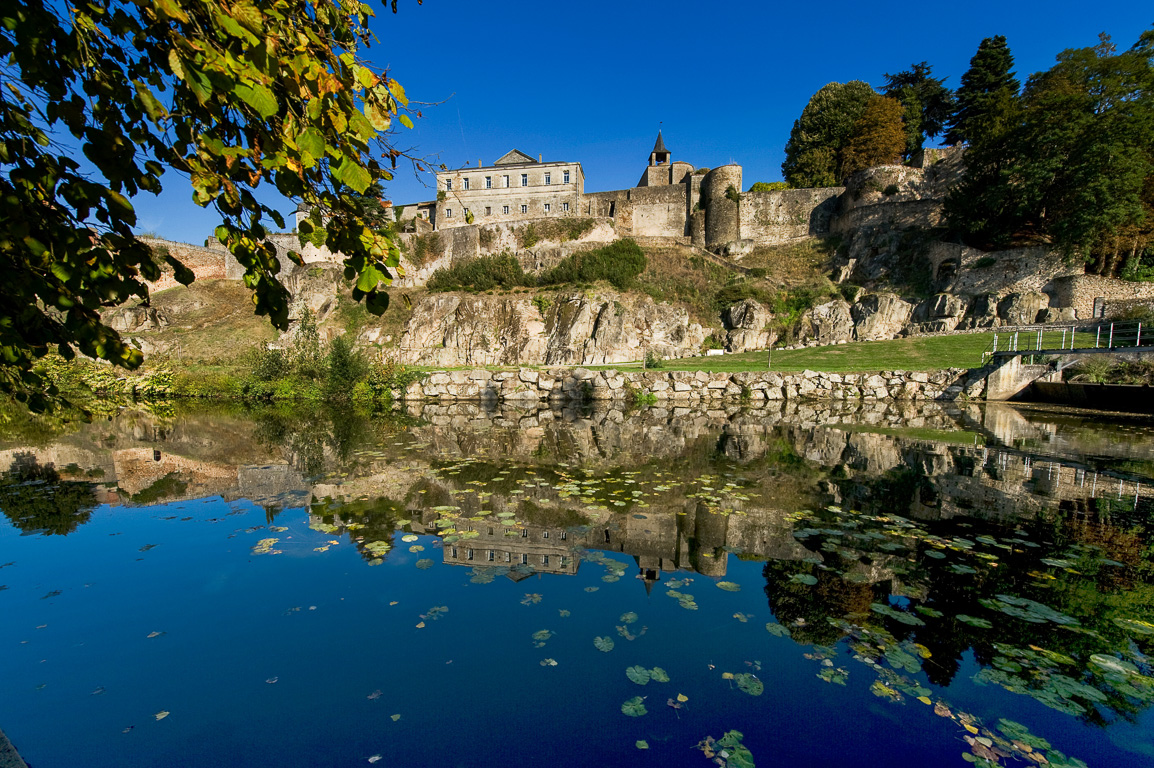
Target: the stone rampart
pixel 527 385
pixel 1080 292
pixel 205 263
pixel 769 218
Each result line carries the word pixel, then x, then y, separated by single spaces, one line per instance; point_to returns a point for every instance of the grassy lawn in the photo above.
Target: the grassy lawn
pixel 914 354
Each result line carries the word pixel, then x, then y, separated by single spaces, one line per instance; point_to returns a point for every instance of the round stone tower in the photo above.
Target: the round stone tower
pixel 722 220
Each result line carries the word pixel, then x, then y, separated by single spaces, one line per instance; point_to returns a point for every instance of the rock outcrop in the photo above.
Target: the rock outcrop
pixel 567 328
pixel 747 324
pixel 880 316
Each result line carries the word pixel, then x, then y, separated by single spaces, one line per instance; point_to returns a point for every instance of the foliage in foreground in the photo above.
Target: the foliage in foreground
pixel 229 97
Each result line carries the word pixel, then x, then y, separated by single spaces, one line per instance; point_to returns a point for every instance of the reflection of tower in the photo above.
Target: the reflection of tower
pixel 649 571
pixel 707 552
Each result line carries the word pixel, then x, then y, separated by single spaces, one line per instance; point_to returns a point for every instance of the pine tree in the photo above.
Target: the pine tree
pixel 822 132
pixel 987 95
pixel 878 138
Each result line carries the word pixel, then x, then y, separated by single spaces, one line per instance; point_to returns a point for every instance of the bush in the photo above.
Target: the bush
pixel 308 357
pixel 483 273
pixel 731 193
pixel 346 366
pixel 265 363
pixel 769 186
pixel 427 247
pixel 653 361
pixel 738 292
pixel 619 263
pixel 528 237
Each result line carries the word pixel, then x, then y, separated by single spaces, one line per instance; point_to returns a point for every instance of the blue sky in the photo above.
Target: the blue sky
pixel 593 82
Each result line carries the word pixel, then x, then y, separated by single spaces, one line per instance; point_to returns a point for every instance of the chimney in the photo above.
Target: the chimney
pixel 479 163
pixel 539 160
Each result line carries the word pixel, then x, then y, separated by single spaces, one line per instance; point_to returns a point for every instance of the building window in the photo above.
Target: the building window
pixel 544 559
pixel 524 209
pixel 448 185
pixel 565 207
pixel 470 555
pixel 524 179
pixel 548 178
pixel 524 559
pixel 562 535
pixel 566 177
pixel 546 207
pixel 505 209
pixel 488 212
pixel 544 534
pixel 524 533
pixel 488 182
pixel 448 213
pixel 506 182
pixel 465 184
pixel 508 557
pixel 492 556
pixel 454 552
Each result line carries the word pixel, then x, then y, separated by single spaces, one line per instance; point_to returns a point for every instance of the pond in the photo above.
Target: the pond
pixel 832 585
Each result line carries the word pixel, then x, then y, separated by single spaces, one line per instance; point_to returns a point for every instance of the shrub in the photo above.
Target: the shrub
pixel 619 263
pixel 527 237
pixel 731 193
pixel 758 272
pixel 265 363
pixel 652 360
pixel 542 303
pixel 738 292
pixel 483 273
pixel 346 366
pixel 769 186
pixel 308 357
pixel 426 247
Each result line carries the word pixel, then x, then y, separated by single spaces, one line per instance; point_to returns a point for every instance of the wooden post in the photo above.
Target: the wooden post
pixel 1110 343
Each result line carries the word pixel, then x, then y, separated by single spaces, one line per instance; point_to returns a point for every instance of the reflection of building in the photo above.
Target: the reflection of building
pixel 498 544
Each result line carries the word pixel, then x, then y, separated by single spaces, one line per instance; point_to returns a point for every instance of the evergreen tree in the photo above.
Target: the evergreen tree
pixel 822 132
pixel 986 97
pixel 878 138
pixel 929 104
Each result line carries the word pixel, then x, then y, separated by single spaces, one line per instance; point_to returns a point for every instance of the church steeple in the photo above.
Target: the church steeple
pixel 660 155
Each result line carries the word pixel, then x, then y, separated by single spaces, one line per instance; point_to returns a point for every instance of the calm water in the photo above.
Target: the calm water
pixel 461 587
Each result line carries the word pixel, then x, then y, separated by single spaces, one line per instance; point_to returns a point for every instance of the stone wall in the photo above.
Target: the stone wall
pixel 205 263
pixel 769 218
pixel 1079 292
pixel 659 211
pixel 691 387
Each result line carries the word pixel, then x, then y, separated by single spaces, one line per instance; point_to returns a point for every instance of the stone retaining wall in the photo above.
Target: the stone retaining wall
pixel 691 387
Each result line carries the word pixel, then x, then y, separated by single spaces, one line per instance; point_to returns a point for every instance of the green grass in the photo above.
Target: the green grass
pixel 915 354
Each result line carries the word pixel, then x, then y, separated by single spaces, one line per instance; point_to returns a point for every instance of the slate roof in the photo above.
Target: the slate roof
pixel 659 147
pixel 514 157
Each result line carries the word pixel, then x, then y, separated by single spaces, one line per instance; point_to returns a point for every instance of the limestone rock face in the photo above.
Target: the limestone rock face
pixel 983 312
pixel 1023 308
pixel 831 322
pixel 135 319
pixel 880 316
pixel 942 312
pixel 746 323
pixel 577 329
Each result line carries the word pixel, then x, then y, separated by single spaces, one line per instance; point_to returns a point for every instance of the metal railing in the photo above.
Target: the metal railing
pixel 1053 339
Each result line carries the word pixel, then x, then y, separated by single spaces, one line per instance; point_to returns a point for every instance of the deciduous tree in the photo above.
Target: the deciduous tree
pixel 878 138
pixel 225 95
pixel 821 133
pixel 928 103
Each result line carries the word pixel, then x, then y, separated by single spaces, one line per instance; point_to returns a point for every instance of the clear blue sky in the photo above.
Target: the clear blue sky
pixel 591 82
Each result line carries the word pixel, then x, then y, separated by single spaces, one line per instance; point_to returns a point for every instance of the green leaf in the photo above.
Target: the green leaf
pixel 642 744
pixel 603 644
pixel 259 98
pixel 152 107
pixel 635 707
pixel 378 117
pixel 369 278
pixel 628 618
pixel 638 674
pixel 729 586
pixel 659 675
pixel 749 683
pixel 777 630
pixel 376 302
pixel 312 141
pixel 351 174
pixel 405 121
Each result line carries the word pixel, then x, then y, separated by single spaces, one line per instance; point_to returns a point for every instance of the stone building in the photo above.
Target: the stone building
pixel 516 187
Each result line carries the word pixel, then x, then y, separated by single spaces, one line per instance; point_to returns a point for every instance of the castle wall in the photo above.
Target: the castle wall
pixel 1079 292
pixel 659 211
pixel 788 214
pixel 206 263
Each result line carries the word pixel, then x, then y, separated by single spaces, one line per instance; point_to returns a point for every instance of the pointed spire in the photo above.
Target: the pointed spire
pixel 660 145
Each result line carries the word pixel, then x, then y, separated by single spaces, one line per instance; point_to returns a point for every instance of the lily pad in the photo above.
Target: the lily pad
pixel 974 621
pixel 642 744
pixel 628 618
pixel 729 586
pixel 424 563
pixel 638 674
pixel 658 675
pixel 1135 627
pixel 635 707
pixel 749 683
pixel 603 644
pixel 777 630
pixel 803 578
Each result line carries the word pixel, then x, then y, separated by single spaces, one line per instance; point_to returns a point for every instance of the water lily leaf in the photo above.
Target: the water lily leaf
pixel 424 563
pixel 729 586
pixel 603 644
pixel 749 683
pixel 548 662
pixel 777 630
pixel 628 618
pixel 638 674
pixel 409 538
pixel 394 718
pixel 803 578
pixel 973 621
pixel 634 707
pixel 162 714
pixel 642 744
pixel 1136 627
pixel 659 675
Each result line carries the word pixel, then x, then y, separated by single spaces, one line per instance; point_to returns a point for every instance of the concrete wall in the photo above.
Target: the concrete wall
pixel 775 217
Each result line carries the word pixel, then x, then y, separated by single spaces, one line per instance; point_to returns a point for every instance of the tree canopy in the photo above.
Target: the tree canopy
pixel 987 95
pixel 1072 163
pixel 813 153
pixel 225 97
pixel 928 103
pixel 878 137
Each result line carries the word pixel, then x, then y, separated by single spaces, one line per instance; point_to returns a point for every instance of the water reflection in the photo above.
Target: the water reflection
pixel 904 539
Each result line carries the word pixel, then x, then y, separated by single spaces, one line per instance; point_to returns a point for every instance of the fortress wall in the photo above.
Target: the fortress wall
pixel 1079 292
pixel 1015 270
pixel 206 263
pixel 659 211
pixel 722 218
pixel 782 215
